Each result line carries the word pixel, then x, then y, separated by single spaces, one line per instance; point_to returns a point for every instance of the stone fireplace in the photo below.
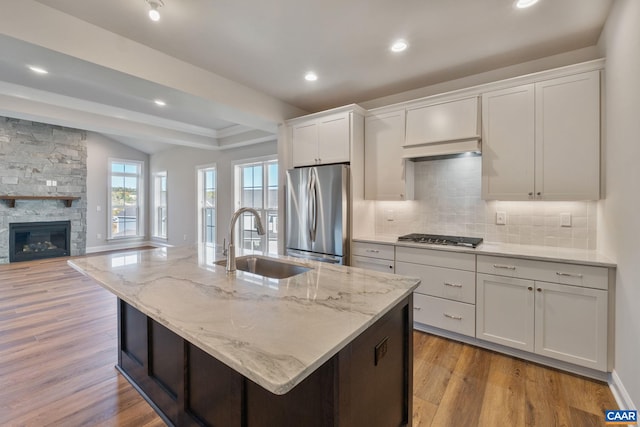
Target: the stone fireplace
pixel 41 160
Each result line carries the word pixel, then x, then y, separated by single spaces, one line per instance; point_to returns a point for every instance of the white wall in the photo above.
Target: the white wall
pixel 619 221
pixel 181 165
pixel 99 150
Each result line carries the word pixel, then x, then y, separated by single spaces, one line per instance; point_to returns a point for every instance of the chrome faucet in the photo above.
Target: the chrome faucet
pixel 231 249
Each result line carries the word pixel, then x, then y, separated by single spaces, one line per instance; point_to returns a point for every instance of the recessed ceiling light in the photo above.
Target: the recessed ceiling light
pixel 522 4
pixel 154 13
pixel 38 70
pixel 160 102
pixel 311 76
pixel 399 46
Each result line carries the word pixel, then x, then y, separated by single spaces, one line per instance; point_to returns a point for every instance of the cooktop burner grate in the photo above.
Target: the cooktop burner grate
pixel 436 239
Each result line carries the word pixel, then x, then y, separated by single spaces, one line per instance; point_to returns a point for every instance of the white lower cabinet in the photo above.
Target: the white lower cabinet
pixel 446 296
pixel 373 256
pixel 564 322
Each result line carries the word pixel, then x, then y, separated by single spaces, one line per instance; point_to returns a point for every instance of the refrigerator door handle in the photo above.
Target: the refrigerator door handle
pixel 313 204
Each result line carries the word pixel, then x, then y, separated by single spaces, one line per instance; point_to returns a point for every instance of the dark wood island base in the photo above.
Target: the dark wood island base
pixel 368 383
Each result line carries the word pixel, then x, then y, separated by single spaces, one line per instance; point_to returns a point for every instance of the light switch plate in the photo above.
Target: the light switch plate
pixel 501 218
pixel 565 220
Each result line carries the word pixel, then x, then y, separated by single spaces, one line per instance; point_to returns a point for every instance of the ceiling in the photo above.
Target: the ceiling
pixel 267 46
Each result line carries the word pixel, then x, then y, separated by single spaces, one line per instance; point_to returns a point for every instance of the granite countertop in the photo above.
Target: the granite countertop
pixel 274 332
pixel 540 253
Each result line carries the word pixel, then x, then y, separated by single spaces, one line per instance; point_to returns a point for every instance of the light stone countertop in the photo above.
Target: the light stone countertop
pixel 274 332
pixel 540 253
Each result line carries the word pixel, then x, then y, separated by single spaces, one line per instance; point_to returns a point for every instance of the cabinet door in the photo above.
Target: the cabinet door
pixel 568 138
pixel 571 324
pixel 508 144
pixel 387 175
pixel 504 311
pixel 333 139
pixel 304 144
pixel 447 121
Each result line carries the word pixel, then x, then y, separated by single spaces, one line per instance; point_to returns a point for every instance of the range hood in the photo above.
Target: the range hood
pixel 442 148
pixel 442 129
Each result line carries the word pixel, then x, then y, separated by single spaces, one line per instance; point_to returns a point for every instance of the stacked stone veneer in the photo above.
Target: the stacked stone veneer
pixel 30 155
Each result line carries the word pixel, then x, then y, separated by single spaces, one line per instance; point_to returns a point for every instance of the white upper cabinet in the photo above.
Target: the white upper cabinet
pixel 387 175
pixel 508 143
pixel 321 140
pixel 541 141
pixel 568 138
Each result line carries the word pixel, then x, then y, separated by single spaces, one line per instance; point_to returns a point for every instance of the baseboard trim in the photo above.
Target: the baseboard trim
pixel 620 392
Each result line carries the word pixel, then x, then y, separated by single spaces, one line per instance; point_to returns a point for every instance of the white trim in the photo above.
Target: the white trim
pixel 478 90
pixel 620 392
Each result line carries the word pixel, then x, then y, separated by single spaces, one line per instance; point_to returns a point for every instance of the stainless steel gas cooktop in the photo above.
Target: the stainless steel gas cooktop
pixel 436 239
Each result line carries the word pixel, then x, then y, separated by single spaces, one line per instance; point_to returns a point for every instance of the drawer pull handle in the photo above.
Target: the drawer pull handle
pixel 451 316
pixel 453 285
pixel 559 273
pixel 375 251
pixel 417 308
pixel 508 267
pixel 530 288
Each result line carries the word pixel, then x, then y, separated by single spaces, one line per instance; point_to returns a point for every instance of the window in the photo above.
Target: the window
pixel 126 201
pixel 257 187
pixel 207 201
pixel 160 205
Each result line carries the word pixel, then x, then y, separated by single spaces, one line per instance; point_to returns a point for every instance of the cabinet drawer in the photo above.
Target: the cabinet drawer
pixel 375 264
pixel 444 314
pixel 437 258
pixel 457 285
pixel 555 272
pixel 373 250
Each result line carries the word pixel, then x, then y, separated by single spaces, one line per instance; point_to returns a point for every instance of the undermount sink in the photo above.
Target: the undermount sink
pixel 268 267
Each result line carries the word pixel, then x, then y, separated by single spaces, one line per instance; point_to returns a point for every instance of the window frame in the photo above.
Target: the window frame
pixel 201 182
pixel 264 211
pixel 140 197
pixel 157 205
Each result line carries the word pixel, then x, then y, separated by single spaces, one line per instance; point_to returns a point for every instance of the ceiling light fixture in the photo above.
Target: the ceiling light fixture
pixel 311 76
pixel 154 14
pixel 399 46
pixel 523 4
pixel 160 102
pixel 38 70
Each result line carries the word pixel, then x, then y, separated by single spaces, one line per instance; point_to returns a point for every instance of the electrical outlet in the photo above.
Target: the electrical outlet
pixel 98 208
pixel 389 213
pixel 99 236
pixel 565 220
pixel 184 237
pixel 501 218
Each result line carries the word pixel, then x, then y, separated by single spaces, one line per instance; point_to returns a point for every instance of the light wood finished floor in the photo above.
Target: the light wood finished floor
pixel 58 351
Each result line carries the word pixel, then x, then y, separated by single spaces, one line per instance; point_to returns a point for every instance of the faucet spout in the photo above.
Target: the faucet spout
pixel 231 249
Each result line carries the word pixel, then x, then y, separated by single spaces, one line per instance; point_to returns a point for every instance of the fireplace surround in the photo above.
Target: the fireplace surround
pixel 38 240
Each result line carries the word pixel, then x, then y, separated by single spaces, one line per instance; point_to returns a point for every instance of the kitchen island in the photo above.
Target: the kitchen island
pixel 328 347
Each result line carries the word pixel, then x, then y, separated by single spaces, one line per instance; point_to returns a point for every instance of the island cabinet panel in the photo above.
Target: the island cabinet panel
pixel 367 384
pixel 214 391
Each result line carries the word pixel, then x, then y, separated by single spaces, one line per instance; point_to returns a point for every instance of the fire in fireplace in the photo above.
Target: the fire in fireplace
pixel 37 240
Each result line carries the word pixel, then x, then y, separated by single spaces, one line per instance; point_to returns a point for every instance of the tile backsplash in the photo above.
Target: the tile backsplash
pixel 448 201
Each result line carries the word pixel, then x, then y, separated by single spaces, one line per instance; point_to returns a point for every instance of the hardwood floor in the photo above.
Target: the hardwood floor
pixel 58 351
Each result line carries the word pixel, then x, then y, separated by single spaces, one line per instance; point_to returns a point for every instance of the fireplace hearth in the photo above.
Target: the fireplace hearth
pixel 38 240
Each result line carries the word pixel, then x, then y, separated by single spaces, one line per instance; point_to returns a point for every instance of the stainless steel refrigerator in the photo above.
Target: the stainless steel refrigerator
pixel 317 213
